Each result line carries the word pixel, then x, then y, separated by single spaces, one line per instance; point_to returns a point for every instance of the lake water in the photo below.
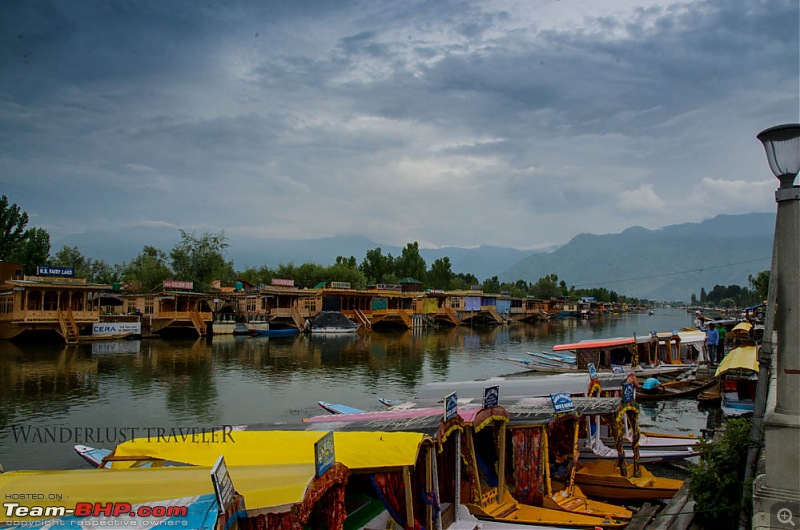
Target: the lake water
pixel 99 394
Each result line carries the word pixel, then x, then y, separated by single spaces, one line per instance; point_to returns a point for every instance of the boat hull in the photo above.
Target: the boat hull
pixel 602 480
pixel 509 510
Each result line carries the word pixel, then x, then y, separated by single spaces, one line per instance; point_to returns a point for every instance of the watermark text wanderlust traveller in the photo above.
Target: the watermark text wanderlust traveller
pixel 27 434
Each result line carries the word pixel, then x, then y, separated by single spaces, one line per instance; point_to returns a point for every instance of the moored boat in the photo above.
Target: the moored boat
pixel 676 389
pixel 275 333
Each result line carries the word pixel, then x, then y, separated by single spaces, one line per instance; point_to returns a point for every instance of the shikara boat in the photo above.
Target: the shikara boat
pixel 603 479
pixel 483 488
pixel 676 389
pixel 738 377
pixel 266 497
pixel 395 464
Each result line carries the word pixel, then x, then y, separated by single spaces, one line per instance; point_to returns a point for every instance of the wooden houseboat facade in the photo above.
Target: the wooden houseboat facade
pixel 51 304
pixel 174 309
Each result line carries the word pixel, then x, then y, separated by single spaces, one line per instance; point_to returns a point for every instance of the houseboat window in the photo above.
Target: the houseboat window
pixel 455 302
pixel 251 305
pixel 7 304
pixel 50 301
pixel 149 303
pixel 131 307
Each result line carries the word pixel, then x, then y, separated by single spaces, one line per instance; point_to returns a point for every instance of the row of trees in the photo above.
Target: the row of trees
pixel 201 259
pixel 735 295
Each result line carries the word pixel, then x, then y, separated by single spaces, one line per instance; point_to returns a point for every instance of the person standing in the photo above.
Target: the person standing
pixel 712 338
pixel 721 331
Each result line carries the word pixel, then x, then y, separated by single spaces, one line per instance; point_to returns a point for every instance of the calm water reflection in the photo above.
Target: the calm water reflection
pixel 60 395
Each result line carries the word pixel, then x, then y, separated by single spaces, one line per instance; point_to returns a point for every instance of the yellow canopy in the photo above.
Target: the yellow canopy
pixel 264 488
pixel 742 326
pixel 356 450
pixel 743 357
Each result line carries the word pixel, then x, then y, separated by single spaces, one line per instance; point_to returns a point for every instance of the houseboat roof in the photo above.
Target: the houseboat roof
pixel 77 283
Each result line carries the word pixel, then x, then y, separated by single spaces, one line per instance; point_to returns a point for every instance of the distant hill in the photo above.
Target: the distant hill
pixel 666 264
pixel 123 245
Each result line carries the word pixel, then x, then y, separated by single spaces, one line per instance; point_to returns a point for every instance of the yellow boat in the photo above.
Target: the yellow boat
pixel 486 492
pixel 394 463
pixel 172 496
pixel 472 423
pixel 610 479
pixel 603 479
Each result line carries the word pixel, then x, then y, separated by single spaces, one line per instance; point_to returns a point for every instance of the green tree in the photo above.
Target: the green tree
pixel 201 260
pixel 411 263
pixel 33 250
pixel 345 273
pixel 464 281
pixel 440 275
pixel 491 285
pixel 257 276
pixel 12 228
pixel 346 262
pixel 147 271
pixel 376 266
pixel 72 257
pixel 760 284
pixel 548 287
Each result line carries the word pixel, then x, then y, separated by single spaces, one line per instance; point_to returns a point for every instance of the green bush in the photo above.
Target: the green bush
pixel 716 482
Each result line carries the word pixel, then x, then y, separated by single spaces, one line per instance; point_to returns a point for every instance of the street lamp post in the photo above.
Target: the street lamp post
pixel 781 480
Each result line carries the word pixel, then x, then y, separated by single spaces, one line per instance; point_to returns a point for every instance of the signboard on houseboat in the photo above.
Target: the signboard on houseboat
pixel 491 396
pixel 115 328
pixel 324 454
pixel 628 392
pixel 60 272
pixel 282 282
pixel 617 369
pixel 450 406
pixel 562 402
pixel 177 284
pixel 339 285
pixel 592 371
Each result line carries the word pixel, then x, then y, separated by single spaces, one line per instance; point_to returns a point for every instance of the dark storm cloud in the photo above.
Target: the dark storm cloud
pixel 389 111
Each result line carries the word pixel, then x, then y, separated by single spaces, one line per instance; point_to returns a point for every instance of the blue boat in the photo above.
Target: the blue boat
pixel 275 333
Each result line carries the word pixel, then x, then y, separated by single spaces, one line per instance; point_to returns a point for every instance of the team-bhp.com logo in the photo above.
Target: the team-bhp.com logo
pixel 88 509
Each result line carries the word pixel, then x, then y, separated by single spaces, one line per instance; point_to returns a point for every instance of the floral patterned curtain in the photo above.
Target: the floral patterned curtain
pixel 527 464
pixel 392 492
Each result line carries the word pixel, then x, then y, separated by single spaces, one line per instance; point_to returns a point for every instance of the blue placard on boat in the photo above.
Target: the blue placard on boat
pixel 592 371
pixel 324 455
pixel 62 272
pixel 628 392
pixel 450 406
pixel 562 402
pixel 223 485
pixel 617 370
pixel 491 396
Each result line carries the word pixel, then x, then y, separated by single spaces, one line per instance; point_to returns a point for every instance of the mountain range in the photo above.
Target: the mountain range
pixel 670 263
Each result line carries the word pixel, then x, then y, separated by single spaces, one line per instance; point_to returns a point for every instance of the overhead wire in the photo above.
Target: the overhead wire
pixel 665 274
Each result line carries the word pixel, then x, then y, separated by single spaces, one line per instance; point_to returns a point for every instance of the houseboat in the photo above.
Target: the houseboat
pixel 51 304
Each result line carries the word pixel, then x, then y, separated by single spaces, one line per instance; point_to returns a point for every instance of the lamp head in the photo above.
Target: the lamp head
pixel 782 144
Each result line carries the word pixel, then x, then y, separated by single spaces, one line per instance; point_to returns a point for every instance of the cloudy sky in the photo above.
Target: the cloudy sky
pixel 452 123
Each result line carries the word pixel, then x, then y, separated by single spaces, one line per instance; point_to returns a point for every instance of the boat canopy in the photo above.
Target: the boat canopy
pixel 356 450
pixel 265 489
pixel 743 357
pixel 744 327
pixel 591 344
pixel 537 411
